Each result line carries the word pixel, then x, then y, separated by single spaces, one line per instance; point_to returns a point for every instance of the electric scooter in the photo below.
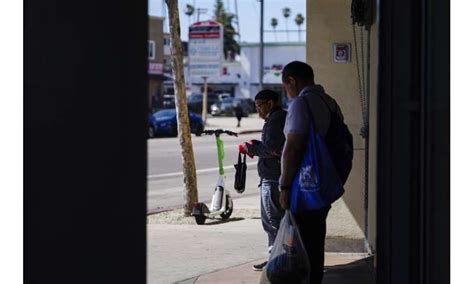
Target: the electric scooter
pixel 221 204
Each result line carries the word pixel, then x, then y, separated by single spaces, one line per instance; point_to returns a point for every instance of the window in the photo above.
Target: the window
pixel 151 49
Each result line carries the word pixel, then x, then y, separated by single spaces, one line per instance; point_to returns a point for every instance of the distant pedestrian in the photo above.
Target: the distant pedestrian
pixel 298 81
pixel 239 113
pixel 269 153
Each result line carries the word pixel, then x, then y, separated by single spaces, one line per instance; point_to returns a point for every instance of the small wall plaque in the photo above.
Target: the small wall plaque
pixel 341 52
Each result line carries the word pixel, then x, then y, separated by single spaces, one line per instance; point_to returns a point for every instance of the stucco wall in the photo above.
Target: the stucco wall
pixel 328 22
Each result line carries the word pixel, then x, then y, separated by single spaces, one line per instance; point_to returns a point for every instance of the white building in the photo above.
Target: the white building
pixel 276 56
pixel 240 78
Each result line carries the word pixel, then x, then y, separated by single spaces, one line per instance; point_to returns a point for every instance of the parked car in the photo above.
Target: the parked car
pixel 165 123
pixel 195 102
pixel 247 104
pixel 226 107
pixel 251 104
pixel 224 96
pixel 168 101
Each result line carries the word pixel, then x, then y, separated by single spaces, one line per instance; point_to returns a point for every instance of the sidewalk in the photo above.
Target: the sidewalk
pixel 339 269
pixel 251 124
pixel 179 251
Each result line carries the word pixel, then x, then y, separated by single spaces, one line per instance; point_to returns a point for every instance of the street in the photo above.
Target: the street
pixel 165 178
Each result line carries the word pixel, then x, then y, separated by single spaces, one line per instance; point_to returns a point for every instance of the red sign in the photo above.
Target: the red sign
pixel 204 35
pixel 205 29
pixel 155 68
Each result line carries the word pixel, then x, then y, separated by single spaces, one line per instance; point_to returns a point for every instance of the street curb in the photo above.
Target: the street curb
pixel 249 131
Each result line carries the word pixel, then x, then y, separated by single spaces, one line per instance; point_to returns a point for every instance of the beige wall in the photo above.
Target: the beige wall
pixel 328 22
pixel 155 32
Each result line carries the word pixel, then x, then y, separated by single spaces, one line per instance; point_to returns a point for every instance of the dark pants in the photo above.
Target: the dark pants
pixel 239 118
pixel 270 210
pixel 312 226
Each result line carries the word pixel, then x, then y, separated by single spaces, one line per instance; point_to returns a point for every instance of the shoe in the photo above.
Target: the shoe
pixel 259 267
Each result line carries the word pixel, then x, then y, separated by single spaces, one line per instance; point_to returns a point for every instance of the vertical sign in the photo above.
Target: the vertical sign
pixel 206 47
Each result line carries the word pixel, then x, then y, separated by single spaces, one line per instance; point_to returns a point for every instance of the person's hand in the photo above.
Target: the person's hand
pixel 243 149
pixel 285 199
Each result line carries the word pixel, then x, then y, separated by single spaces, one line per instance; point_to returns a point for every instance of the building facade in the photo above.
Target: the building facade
pixel 276 55
pixel 155 62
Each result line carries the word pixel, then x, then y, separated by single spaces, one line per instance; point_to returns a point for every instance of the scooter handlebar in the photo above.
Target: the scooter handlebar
pixel 219 132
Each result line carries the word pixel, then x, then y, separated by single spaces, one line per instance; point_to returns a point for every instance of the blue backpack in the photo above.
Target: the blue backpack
pixel 325 166
pixel 339 143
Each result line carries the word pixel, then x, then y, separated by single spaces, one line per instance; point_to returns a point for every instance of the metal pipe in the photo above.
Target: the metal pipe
pixel 366 177
pixel 237 19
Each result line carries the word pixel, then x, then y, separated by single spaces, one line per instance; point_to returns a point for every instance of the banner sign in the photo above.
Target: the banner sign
pixel 206 47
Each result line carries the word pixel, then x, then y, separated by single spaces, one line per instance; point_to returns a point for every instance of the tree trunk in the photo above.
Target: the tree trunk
pixel 184 132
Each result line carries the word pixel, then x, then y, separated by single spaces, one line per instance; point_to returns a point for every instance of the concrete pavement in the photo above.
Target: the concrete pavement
pixel 251 124
pixel 179 251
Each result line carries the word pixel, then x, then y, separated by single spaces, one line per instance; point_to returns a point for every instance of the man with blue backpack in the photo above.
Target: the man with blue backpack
pixel 316 159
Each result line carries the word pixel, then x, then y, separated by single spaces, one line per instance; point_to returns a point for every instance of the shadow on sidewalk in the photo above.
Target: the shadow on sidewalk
pixel 357 272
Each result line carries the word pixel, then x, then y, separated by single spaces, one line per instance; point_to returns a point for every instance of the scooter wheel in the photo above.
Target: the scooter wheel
pixel 200 220
pixel 228 209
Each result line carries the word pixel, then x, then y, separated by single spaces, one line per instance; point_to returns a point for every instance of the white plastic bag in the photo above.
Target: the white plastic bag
pixel 288 262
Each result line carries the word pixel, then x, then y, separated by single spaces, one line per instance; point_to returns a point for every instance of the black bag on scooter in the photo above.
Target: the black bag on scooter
pixel 240 173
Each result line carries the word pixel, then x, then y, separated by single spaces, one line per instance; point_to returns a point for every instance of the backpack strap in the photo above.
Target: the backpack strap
pixel 310 113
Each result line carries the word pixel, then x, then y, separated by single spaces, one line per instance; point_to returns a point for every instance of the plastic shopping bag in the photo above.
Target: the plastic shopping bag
pixel 240 173
pixel 288 262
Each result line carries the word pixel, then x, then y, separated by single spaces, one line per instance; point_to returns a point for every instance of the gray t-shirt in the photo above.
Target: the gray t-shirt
pixel 298 117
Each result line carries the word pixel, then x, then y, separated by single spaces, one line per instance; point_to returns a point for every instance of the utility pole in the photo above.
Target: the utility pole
pixel 201 11
pixel 260 81
pixel 237 18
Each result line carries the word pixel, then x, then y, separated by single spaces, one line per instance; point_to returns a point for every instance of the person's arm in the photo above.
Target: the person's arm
pixel 293 152
pixel 274 140
pixel 257 148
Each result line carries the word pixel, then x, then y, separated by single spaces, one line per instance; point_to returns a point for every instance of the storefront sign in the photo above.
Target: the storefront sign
pixel 155 68
pixel 206 47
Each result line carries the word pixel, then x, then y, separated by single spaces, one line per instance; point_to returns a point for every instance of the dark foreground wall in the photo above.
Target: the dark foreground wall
pixel 85 141
pixel 413 143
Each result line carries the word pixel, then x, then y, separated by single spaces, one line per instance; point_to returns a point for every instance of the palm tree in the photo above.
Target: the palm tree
pixel 231 47
pixel 286 13
pixel 189 12
pixel 299 20
pixel 274 24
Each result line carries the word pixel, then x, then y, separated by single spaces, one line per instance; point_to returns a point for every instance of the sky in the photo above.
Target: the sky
pixel 249 17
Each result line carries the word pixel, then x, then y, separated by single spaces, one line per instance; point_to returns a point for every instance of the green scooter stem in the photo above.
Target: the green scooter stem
pixel 220 154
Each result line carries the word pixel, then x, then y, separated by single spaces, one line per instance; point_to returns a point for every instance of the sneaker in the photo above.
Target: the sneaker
pixel 259 267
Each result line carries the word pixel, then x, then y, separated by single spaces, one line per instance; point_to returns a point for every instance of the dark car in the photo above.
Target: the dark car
pixel 251 104
pixel 195 102
pixel 168 101
pixel 164 123
pixel 227 105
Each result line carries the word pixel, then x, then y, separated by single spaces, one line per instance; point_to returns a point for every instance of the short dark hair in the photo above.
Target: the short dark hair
pixel 267 95
pixel 299 71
